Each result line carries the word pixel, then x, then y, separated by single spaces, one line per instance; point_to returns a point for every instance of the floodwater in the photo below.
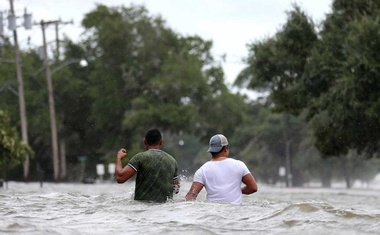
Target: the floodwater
pixel 108 208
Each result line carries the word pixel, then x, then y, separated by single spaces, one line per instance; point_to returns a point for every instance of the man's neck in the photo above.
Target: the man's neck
pixel 219 157
pixel 155 147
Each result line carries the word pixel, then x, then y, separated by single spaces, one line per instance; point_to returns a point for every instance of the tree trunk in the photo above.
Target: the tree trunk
pixel 346 171
pixel 326 173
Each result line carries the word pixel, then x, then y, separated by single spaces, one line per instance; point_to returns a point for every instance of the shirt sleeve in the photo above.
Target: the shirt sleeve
pixel 198 176
pixel 245 169
pixel 134 163
pixel 175 172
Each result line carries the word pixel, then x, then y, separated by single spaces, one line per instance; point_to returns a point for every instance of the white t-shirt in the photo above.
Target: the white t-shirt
pixel 222 179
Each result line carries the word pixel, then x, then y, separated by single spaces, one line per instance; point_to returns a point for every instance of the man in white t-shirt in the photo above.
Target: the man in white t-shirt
pixel 222 176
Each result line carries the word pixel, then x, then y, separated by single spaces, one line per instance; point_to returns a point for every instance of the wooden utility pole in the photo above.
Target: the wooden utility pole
pixel 53 124
pixel 21 96
pixel 57 41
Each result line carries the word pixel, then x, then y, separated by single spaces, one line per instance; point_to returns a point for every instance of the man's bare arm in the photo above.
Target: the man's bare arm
pixel 122 174
pixel 195 188
pixel 250 184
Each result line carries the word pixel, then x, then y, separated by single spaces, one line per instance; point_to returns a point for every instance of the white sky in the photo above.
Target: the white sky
pixel 230 24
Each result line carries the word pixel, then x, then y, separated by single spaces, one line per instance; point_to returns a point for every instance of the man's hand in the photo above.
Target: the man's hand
pixel 121 154
pixel 176 186
pixel 122 174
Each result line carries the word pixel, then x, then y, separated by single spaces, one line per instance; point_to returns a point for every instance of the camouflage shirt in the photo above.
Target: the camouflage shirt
pixel 156 172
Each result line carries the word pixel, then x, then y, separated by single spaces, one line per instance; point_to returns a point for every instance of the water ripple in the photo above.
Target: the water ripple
pixel 109 209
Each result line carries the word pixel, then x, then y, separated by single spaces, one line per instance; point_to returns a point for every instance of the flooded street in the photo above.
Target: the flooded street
pixel 108 208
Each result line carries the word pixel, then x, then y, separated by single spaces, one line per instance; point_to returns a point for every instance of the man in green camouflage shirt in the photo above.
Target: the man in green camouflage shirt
pixel 157 171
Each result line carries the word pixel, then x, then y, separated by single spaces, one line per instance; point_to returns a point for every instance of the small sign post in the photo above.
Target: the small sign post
pixel 100 171
pixel 111 170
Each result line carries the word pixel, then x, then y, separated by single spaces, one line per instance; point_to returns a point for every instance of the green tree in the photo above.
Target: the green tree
pixel 262 144
pixel 144 74
pixel 129 49
pixel 277 64
pixel 344 70
pixel 140 74
pixel 328 75
pixel 9 92
pixel 8 81
pixel 13 151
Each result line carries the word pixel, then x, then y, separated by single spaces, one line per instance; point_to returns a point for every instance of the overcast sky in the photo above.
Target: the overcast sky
pixel 230 24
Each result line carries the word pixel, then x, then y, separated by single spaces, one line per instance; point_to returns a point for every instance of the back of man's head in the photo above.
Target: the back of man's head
pixel 153 137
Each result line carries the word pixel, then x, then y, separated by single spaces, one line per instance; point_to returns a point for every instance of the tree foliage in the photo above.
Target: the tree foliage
pixel 277 64
pixel 329 74
pixel 13 151
pixel 141 73
pixel 144 74
pixel 346 112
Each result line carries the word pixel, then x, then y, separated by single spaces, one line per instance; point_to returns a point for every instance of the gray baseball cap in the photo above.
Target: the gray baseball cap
pixel 217 142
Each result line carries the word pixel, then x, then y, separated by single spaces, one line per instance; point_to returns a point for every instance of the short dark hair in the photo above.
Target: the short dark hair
pixel 153 136
pixel 213 153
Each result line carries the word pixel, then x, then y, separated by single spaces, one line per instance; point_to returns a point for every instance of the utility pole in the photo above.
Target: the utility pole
pixel 62 143
pixel 24 128
pixel 53 124
pixel 58 22
pixel 57 40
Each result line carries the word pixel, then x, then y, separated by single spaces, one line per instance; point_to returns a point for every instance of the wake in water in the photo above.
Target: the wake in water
pixel 110 209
